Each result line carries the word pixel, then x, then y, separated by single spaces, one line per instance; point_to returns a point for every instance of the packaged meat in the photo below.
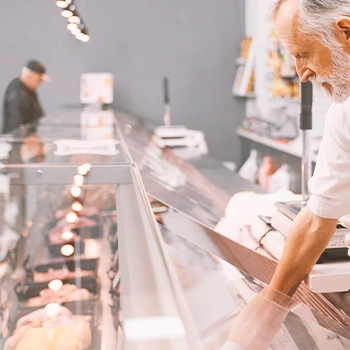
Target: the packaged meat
pixel 67 293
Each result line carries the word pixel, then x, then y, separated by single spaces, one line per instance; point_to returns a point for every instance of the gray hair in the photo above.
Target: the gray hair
pixel 316 17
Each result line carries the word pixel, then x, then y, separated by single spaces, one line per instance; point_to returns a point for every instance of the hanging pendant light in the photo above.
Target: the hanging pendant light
pixel 63 3
pixel 72 26
pixel 75 18
pixel 68 12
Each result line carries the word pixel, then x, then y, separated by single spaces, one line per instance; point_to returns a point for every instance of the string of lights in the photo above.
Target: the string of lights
pixel 75 23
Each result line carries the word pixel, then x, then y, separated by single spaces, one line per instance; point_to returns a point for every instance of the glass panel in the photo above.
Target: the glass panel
pixel 217 292
pixel 75 136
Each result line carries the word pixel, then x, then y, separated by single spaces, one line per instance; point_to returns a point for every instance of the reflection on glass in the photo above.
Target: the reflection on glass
pixel 67 235
pixel 71 217
pixel 55 285
pixel 78 180
pixel 67 250
pixel 82 170
pixel 76 206
pixel 52 309
pixel 75 191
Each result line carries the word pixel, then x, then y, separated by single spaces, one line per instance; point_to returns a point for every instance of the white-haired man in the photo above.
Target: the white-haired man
pixel 317 34
pixel 21 105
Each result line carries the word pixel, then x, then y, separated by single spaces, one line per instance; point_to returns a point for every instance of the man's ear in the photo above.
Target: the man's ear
pixel 342 25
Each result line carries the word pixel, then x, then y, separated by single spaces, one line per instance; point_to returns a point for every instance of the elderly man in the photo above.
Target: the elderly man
pixel 21 105
pixel 317 34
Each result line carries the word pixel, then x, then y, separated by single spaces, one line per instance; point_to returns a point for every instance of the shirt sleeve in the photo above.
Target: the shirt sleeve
pixel 330 183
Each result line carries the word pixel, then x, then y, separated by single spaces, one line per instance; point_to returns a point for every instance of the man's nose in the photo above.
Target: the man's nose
pixel 303 72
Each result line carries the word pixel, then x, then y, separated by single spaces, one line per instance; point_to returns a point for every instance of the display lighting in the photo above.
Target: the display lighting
pixel 71 217
pixel 87 166
pixel 82 170
pixel 68 12
pixel 78 180
pixel 67 250
pixel 67 235
pixel 55 285
pixel 75 191
pixel 76 206
pixel 63 3
pixel 52 309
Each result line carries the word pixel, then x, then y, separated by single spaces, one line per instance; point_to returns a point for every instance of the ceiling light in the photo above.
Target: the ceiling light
pixel 72 26
pixel 76 206
pixel 68 12
pixel 83 36
pixel 63 3
pixel 75 31
pixel 75 18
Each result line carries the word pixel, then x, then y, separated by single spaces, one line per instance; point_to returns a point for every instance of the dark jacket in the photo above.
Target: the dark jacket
pixel 21 106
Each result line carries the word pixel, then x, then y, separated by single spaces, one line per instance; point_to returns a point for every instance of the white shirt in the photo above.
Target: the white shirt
pixel 330 184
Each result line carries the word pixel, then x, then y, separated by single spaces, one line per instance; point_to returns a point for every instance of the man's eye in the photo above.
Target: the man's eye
pixel 300 56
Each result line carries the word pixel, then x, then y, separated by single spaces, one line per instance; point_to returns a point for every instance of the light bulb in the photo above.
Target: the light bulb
pixel 67 250
pixel 82 170
pixel 75 191
pixel 62 3
pixel 71 217
pixel 67 235
pixel 67 13
pixel 79 35
pixel 71 26
pixel 85 38
pixel 52 309
pixel 78 180
pixel 74 19
pixel 55 285
pixel 76 31
pixel 87 166
pixel 76 206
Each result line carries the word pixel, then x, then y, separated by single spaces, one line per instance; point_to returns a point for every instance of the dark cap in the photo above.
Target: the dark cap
pixel 39 68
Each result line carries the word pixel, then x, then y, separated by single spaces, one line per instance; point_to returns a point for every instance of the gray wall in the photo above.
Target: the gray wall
pixel 193 42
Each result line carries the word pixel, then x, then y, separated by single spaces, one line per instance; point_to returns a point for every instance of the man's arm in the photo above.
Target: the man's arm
pixel 307 239
pixel 260 320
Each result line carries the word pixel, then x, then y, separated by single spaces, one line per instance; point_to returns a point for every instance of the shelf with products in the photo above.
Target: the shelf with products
pixel 281 78
pixel 243 85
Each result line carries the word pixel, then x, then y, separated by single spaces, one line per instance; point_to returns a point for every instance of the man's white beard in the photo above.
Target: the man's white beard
pixel 338 79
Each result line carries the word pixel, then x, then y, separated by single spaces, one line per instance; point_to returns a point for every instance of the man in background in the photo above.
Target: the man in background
pixel 317 34
pixel 21 106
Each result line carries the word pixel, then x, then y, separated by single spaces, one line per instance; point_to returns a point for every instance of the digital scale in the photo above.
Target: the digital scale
pixel 287 211
pixel 168 135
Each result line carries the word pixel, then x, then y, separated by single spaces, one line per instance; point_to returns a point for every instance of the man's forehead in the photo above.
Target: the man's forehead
pixel 287 26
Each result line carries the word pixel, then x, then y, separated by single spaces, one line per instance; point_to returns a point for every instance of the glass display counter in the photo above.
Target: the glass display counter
pixel 85 265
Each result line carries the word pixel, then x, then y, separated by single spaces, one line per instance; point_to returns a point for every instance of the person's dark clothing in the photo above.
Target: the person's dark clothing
pixel 21 106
